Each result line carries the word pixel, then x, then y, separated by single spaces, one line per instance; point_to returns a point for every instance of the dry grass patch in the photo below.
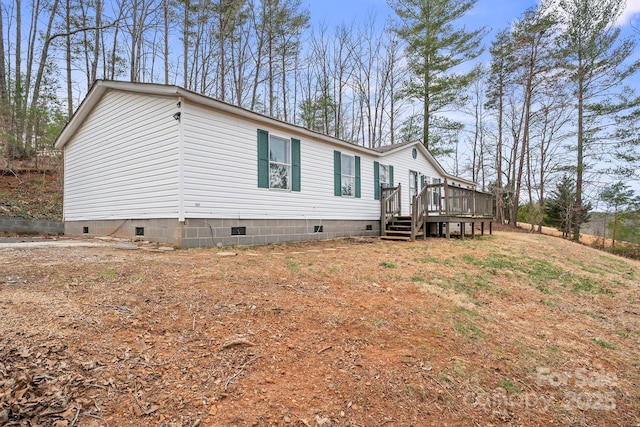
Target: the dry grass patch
pixel 513 328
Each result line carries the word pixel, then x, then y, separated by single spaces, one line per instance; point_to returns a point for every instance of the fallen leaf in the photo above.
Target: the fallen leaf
pixel 151 410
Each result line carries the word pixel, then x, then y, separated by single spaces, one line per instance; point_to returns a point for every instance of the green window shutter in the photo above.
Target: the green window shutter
pixel 295 164
pixel 357 176
pixel 263 158
pixel 337 173
pixel 421 181
pixel 390 176
pixel 376 180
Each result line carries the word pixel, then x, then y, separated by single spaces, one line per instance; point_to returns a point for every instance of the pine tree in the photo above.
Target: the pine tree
pixel 561 207
pixel 618 197
pixel 596 61
pixel 434 47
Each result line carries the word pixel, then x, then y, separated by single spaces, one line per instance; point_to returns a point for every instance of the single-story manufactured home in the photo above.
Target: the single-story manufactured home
pixel 169 165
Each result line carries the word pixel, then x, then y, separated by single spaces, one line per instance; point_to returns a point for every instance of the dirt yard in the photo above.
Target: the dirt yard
pixel 31 193
pixel 511 329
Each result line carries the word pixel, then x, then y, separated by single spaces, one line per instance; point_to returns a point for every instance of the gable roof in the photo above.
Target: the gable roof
pixel 100 87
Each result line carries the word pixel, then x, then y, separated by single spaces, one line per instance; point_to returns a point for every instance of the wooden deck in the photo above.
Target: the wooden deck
pixel 434 209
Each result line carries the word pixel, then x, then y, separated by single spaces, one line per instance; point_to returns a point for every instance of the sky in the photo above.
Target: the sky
pixel 483 13
pixel 495 14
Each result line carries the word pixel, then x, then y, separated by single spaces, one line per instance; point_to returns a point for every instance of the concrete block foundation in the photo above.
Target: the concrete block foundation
pixel 198 233
pixel 10 225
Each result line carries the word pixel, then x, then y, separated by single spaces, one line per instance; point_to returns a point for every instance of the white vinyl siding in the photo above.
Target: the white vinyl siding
pixel 220 165
pixel 122 163
pixel 403 163
pixel 131 159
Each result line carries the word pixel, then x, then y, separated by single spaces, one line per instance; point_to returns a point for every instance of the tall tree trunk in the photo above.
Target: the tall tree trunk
pixel 499 184
pixel 530 189
pixel 3 77
pixel 165 15
pixel 577 214
pixel 31 49
pixel 18 91
pixel 541 192
pixel 114 48
pixel 96 42
pixel 44 55
pixel 270 76
pixel 185 44
pixel 284 83
pixel 68 59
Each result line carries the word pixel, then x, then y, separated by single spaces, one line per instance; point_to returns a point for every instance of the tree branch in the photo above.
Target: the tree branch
pixel 83 29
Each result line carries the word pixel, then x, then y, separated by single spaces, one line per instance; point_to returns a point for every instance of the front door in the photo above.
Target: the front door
pixel 413 189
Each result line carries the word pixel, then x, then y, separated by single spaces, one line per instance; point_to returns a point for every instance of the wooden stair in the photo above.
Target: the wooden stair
pixel 398 229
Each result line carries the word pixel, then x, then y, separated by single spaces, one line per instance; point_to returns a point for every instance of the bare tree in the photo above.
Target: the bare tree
pixel 4 104
pixel 554 114
pixel 497 87
pixel 476 109
pixel 42 63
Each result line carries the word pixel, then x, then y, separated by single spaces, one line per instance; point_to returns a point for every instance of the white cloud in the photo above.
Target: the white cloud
pixel 631 13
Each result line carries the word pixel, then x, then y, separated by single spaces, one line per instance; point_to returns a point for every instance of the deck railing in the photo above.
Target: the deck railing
pixel 448 200
pixel 389 205
pixel 419 207
pixel 433 201
pixel 484 204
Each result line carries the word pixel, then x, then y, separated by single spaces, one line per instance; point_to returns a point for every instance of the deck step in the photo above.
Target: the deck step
pixel 398 229
pixel 398 238
pixel 399 232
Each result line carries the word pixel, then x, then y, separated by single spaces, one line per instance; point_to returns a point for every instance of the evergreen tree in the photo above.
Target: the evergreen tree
pixel 561 207
pixel 619 199
pixel 434 47
pixel 596 61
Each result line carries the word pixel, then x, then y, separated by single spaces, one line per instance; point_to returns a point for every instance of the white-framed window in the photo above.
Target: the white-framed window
pixel 382 178
pixel 437 192
pixel 347 175
pixel 279 163
pixel 384 175
pixel 413 186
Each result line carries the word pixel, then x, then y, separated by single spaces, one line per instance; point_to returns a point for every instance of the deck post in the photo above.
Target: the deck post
pixel 445 187
pixel 399 200
pixel 383 212
pixel 447 229
pixel 473 230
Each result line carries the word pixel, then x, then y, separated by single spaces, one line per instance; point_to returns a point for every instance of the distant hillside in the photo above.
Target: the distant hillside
pixel 596 225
